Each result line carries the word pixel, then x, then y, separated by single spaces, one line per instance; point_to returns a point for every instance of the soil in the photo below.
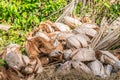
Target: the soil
pixel 49 74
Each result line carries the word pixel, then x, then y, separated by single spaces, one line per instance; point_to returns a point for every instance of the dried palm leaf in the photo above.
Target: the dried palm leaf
pixel 115 24
pixel 97 68
pixel 68 10
pixel 98 37
pixel 71 22
pixel 108 39
pixel 79 66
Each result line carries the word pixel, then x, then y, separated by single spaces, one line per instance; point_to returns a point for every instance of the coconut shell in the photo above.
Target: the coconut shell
pixel 61 27
pixel 97 68
pixel 72 22
pixel 64 69
pixel 84 54
pixel 79 66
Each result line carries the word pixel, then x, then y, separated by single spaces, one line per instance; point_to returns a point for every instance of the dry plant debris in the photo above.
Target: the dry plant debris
pixel 71 44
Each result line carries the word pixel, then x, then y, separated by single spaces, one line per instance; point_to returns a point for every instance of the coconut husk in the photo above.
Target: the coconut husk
pixel 72 22
pixel 84 54
pixel 97 68
pixel 61 27
pixel 108 70
pixel 79 66
pixel 64 69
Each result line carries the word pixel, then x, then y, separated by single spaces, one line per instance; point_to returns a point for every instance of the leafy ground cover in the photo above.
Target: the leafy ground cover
pixel 24 15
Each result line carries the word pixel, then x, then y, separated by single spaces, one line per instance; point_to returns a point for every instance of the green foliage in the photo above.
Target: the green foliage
pixel 97 9
pixel 2 62
pixel 24 15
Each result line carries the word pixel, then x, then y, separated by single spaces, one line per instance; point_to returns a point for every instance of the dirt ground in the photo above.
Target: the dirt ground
pixel 49 74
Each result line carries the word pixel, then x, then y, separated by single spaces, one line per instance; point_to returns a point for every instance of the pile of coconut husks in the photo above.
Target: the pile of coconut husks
pixel 75 43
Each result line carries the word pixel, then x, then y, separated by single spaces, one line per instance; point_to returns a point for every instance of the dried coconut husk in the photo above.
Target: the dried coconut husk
pixel 79 66
pixel 84 54
pixel 61 27
pixel 72 22
pixel 87 31
pixel 108 58
pixel 62 36
pixel 85 19
pixel 97 68
pixel 90 25
pixel 77 40
pixel 45 27
pixel 42 43
pixel 64 69
pixel 116 52
pixel 14 58
pixel 108 69
pixel 44 60
pixel 34 66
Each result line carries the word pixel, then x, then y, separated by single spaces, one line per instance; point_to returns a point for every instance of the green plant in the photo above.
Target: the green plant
pixel 23 16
